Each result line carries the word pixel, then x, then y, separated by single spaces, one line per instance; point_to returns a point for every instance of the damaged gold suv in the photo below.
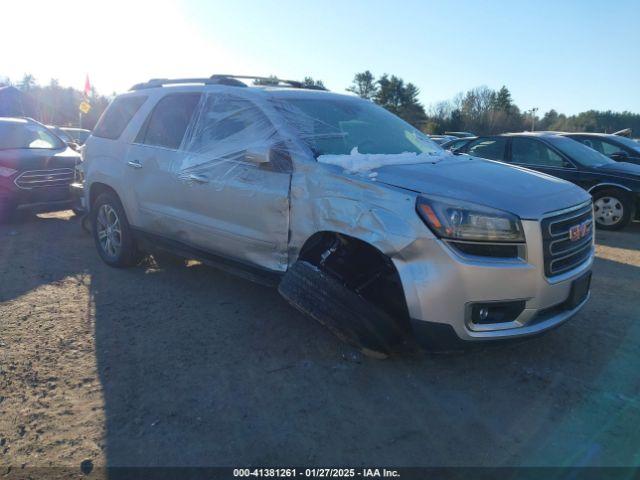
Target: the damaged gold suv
pixel 358 218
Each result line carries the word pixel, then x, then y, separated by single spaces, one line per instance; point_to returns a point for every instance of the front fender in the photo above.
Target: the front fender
pixel 377 214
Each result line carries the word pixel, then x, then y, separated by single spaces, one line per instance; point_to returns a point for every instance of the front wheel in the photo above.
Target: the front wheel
pixel 612 209
pixel 112 233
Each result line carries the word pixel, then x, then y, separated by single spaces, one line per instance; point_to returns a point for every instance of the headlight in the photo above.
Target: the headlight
pixel 458 220
pixel 7 172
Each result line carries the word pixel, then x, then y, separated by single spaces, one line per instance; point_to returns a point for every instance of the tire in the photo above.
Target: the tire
pixel 349 316
pixel 612 209
pixel 112 233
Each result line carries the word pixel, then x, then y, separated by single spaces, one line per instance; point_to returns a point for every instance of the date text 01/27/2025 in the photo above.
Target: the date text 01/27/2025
pixel 316 473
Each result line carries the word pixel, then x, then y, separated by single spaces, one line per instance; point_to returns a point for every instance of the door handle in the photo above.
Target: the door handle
pixel 134 163
pixel 197 178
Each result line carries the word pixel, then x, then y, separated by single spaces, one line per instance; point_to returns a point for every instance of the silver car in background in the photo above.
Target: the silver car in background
pixel 361 220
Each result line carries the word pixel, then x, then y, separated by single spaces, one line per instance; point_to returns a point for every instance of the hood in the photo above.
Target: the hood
pixel 623 169
pixel 38 159
pixel 523 192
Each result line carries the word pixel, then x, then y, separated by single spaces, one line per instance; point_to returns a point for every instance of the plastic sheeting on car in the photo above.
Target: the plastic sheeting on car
pixel 232 129
pixel 229 129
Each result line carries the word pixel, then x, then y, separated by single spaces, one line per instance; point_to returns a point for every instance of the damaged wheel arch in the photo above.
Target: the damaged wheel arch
pixel 352 288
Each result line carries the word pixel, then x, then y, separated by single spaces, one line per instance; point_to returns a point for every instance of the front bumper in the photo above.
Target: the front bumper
pixel 77 194
pixel 37 200
pixel 440 284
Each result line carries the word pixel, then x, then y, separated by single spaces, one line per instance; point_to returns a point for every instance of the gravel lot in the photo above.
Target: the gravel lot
pixel 191 366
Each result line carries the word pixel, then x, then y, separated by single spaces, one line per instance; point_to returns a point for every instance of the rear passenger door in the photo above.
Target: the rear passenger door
pixel 150 162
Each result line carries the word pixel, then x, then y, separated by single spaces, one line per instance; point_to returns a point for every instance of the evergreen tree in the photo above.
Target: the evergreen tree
pixel 27 83
pixel 364 85
pixel 309 82
pixel 503 100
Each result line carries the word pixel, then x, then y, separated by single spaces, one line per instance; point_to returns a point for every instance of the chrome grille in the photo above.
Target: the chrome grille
pixel 561 252
pixel 57 177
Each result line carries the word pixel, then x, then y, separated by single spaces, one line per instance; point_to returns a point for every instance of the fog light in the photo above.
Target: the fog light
pixel 496 312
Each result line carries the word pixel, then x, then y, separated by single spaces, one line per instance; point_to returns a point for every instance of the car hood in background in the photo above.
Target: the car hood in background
pixel 622 169
pixel 38 159
pixel 518 190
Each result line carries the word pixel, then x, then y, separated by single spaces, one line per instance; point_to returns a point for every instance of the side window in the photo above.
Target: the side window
pixel 528 151
pixel 610 148
pixel 229 127
pixel 168 121
pixel 592 143
pixel 114 120
pixel 455 145
pixel 491 148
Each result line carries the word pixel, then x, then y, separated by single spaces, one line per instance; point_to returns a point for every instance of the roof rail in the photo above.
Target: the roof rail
pixel 269 81
pixel 230 80
pixel 159 82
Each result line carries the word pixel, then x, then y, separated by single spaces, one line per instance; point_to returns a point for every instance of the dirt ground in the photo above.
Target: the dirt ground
pixel 191 366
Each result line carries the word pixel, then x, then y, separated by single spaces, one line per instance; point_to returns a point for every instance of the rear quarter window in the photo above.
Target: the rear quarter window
pixel 115 119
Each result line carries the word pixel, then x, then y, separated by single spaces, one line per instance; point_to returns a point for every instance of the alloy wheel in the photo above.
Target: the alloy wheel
pixel 109 231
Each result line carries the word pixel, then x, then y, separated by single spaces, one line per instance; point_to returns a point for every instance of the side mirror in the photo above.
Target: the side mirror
pixel 73 145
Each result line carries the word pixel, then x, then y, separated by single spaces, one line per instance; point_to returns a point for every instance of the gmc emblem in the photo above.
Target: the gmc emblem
pixel 579 231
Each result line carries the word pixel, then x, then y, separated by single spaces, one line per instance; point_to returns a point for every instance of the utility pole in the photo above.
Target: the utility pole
pixel 533 118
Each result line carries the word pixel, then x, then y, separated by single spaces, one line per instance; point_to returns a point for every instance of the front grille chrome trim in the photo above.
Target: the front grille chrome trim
pixel 561 260
pixel 56 177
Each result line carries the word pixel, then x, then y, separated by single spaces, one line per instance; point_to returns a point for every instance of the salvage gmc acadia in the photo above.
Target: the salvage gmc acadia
pixel 361 221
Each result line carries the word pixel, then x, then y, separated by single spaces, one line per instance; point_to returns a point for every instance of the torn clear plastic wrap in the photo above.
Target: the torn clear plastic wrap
pixel 357 162
pixel 232 130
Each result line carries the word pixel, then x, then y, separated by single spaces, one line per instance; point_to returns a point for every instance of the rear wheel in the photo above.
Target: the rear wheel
pixel 112 233
pixel 612 209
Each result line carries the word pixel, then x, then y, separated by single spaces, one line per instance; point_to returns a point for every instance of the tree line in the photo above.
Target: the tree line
pixel 53 104
pixel 480 110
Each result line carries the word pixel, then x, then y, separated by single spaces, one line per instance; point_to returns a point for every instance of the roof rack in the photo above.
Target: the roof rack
pixel 160 82
pixel 269 81
pixel 230 80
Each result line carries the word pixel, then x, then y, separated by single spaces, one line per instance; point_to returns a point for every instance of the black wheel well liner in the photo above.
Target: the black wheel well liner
pixel 96 189
pixel 361 267
pixel 607 186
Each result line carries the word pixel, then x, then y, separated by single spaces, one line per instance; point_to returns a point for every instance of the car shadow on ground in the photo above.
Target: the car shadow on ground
pixel 54 252
pixel 201 368
pixel 628 238
pixel 198 367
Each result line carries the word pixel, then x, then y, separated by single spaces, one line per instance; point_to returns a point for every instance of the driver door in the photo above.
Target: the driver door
pixel 234 202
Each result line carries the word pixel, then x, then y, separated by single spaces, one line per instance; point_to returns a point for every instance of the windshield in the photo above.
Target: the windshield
pixel 336 126
pixel 629 143
pixel 578 152
pixel 60 133
pixel 80 136
pixel 27 135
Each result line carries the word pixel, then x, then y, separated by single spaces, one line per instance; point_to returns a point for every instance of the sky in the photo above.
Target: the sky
pixel 571 55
